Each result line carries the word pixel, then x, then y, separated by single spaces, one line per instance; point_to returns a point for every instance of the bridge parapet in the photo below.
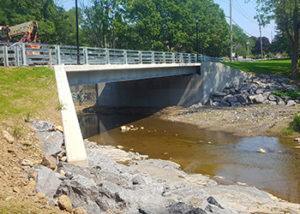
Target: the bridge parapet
pixel 23 54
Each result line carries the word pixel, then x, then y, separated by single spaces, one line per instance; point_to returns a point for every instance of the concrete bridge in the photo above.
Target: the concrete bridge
pixel 124 77
pixel 74 75
pixel 171 84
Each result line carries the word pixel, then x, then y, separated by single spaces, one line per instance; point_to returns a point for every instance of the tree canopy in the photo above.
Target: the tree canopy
pixel 287 17
pixel 162 25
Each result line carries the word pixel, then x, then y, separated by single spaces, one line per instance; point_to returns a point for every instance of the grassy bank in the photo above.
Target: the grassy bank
pixel 25 91
pixel 274 67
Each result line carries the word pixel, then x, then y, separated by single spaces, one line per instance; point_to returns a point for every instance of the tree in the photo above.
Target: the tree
pixel 287 17
pixel 240 40
pixel 101 19
pixel 280 44
pixel 265 46
pixel 55 24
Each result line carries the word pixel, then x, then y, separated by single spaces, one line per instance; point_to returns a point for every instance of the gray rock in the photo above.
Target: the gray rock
pixel 152 209
pixel 138 180
pixel 51 141
pixel 217 99
pixel 280 102
pixel 183 208
pixel 83 193
pixel 230 99
pixel 266 94
pixel 232 91
pixel 213 201
pixel 258 98
pixel 272 97
pixel 219 94
pixel 259 91
pixel 241 98
pixel 236 104
pixel 41 126
pixel 47 181
pixel 291 103
pixel 222 104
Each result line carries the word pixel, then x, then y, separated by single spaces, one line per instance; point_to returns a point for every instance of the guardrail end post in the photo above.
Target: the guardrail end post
pixel 5 55
pixel 23 48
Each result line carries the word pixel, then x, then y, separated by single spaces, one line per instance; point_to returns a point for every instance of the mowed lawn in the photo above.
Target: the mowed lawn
pixel 274 67
pixel 25 90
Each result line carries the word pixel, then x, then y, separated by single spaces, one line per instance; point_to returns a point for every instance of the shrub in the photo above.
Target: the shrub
pixel 296 123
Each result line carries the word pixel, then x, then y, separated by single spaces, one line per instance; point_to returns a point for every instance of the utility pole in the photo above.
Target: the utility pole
pixel 197 39
pixel 77 32
pixel 261 44
pixel 248 43
pixel 230 30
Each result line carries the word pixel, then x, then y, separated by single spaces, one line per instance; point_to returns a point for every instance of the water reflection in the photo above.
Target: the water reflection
pixel 201 151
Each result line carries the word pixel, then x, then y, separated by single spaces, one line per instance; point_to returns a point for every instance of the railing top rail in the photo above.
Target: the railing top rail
pixel 37 53
pixel 101 48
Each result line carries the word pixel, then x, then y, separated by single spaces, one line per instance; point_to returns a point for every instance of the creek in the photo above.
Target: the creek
pixel 200 151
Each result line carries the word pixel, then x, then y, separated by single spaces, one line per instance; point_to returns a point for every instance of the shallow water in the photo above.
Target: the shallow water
pixel 207 152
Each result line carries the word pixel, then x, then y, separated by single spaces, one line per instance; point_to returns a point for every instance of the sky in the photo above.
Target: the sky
pixel 242 15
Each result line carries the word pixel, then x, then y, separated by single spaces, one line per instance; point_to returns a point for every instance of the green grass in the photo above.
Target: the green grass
pixel 274 67
pixel 295 124
pixel 291 93
pixel 24 90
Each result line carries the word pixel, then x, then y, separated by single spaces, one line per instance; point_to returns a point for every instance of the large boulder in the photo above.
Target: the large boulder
pixel 47 181
pixel 42 126
pixel 51 141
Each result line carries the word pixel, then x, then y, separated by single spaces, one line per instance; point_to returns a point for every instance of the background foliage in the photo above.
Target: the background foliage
pixel 166 25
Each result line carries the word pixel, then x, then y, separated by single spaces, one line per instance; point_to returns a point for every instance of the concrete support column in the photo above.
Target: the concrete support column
pixel 76 153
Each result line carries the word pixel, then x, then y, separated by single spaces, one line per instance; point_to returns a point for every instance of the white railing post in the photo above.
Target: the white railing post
pixel 152 57
pixel 57 53
pixel 190 58
pixel 125 57
pixel 107 56
pixel 5 55
pixel 17 55
pixel 140 57
pixel 164 57
pixel 181 58
pixel 24 54
pixel 173 58
pixel 86 55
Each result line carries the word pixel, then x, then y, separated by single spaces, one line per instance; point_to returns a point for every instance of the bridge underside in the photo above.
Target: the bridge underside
pixel 185 91
pixel 89 74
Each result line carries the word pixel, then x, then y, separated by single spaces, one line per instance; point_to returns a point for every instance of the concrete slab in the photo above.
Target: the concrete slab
pixel 76 153
pixel 76 68
pixel 93 74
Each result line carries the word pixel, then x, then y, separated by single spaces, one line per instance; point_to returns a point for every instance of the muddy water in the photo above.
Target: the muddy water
pixel 207 152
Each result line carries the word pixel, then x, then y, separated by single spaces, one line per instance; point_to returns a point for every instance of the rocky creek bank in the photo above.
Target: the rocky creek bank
pixel 248 109
pixel 141 186
pixel 255 90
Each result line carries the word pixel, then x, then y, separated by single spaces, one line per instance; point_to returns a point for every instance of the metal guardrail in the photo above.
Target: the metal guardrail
pixel 30 54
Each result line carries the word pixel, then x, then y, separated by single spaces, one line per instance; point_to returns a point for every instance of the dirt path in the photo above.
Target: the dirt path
pixel 254 120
